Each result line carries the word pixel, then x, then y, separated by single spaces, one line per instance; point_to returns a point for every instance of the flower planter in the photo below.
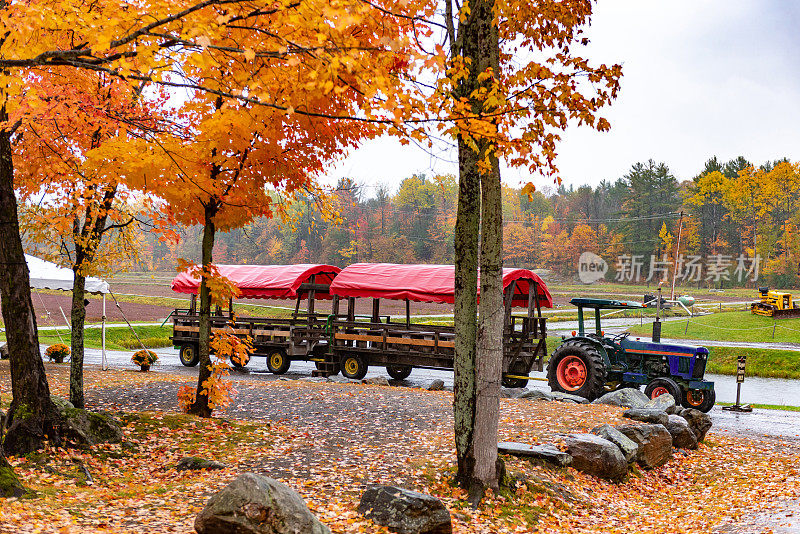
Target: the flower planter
pixel 145 368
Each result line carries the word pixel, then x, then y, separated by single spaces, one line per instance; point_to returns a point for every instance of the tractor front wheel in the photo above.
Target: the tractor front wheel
pixel 577 367
pixel 699 399
pixel 661 386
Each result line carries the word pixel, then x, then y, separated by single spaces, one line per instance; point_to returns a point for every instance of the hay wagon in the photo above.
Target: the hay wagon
pixel 279 340
pixel 400 345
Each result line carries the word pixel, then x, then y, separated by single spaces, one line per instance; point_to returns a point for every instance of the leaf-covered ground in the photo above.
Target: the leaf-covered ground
pixel 330 441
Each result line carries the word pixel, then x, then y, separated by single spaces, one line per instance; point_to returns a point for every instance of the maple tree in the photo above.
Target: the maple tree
pixel 77 209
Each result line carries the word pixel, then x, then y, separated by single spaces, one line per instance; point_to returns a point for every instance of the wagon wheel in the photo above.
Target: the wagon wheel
pixel 354 366
pixel 277 362
pixel 240 364
pixel 517 368
pixel 699 399
pixel 189 355
pixel 399 372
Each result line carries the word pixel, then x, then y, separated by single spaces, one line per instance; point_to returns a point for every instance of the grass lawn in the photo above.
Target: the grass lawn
pixel 767 363
pixel 117 338
pixel 730 326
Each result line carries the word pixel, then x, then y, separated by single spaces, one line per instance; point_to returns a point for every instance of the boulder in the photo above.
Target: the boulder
pixel 547 453
pixel 254 504
pixel 61 404
pixel 4 351
pixel 626 446
pixel 664 403
pixel 436 385
pixel 698 421
pixel 375 381
pixel 654 441
pixel 405 511
pixel 537 394
pixel 647 415
pixel 596 456
pixel 683 436
pixel 10 485
pixel 193 463
pixel 512 393
pixel 89 428
pixel 626 397
pixel 338 379
pixel 566 397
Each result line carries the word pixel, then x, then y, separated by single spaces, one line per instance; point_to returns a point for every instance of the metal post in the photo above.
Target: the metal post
pixel 104 364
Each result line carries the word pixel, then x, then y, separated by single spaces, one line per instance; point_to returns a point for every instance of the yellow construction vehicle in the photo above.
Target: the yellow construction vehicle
pixel 775 304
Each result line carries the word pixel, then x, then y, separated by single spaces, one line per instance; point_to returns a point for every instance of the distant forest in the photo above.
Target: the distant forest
pixel 727 215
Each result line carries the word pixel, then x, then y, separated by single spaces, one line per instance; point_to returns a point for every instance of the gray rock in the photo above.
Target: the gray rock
pixel 547 453
pixel 566 397
pixel 626 446
pixel 596 456
pixel 375 381
pixel 537 394
pixel 654 441
pixel 448 388
pixel 61 404
pixel 682 435
pixel 89 428
pixel 254 504
pixel 512 393
pixel 436 385
pixel 405 511
pixel 665 403
pixel 193 463
pixel 626 397
pixel 4 351
pixel 338 379
pixel 647 415
pixel 698 421
pixel 317 379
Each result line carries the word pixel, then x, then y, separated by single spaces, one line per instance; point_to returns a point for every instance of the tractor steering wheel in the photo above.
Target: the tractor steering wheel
pixel 619 337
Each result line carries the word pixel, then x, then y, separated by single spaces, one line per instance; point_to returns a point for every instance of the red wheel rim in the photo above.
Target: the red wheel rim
pixel 658 391
pixel 571 373
pixel 695 398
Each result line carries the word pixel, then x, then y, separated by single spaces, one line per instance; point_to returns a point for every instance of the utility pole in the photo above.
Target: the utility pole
pixel 677 249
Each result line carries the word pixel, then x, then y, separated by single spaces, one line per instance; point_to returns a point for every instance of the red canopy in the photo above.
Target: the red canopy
pixel 267 281
pixel 424 283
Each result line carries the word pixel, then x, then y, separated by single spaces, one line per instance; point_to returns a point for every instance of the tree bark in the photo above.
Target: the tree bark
pixel 77 321
pixel 200 406
pixel 477 370
pixel 32 416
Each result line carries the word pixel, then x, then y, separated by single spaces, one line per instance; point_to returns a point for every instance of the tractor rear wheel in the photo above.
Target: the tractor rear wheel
pixel 661 386
pixel 577 367
pixel 699 399
pixel 399 372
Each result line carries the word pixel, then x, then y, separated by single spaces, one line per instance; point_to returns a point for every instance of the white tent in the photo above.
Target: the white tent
pixel 46 275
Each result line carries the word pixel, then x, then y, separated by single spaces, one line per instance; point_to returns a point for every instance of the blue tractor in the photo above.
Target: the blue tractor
pixel 592 364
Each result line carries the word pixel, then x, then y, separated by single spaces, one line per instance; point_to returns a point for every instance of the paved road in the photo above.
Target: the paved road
pixel 776 423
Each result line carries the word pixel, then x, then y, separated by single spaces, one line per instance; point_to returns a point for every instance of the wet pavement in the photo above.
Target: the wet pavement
pixel 772 423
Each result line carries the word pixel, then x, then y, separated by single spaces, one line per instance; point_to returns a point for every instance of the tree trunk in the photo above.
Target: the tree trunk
pixel 477 372
pixel 77 320
pixel 32 416
pixel 201 406
pixel 490 331
pixel 465 310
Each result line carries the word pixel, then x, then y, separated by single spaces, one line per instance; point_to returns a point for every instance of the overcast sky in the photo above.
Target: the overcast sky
pixel 700 78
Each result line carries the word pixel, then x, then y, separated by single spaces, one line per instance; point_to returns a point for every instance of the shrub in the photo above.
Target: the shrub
pixel 57 353
pixel 144 357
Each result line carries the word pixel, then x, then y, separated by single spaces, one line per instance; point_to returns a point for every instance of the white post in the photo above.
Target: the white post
pixel 104 365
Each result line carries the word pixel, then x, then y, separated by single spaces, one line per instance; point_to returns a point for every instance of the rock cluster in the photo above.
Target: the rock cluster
pixel 608 451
